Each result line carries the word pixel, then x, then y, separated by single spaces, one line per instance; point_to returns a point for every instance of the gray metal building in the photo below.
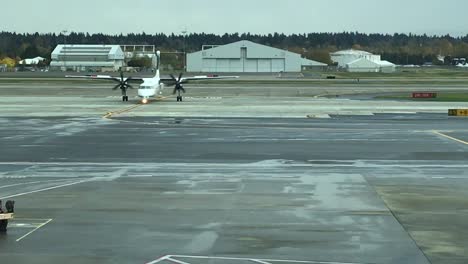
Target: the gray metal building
pixel 246 56
pixel 88 57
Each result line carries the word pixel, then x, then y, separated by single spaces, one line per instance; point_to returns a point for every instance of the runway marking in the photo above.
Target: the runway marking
pixel 124 110
pixel 43 190
pixel 260 261
pixel 173 258
pixel 341 163
pixel 26 183
pixel 449 137
pixel 177 261
pixel 34 230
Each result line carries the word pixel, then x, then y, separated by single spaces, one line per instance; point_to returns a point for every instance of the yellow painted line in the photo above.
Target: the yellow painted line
pixel 34 230
pixel 449 137
pixel 160 98
pixel 118 112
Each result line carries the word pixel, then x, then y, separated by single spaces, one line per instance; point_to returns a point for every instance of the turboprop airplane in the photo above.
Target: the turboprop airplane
pixel 150 87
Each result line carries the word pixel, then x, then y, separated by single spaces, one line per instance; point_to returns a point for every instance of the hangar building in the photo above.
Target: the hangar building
pixel 88 57
pixel 361 61
pixel 246 56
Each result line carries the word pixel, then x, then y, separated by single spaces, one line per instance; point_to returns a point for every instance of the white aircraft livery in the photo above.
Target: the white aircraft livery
pixel 150 87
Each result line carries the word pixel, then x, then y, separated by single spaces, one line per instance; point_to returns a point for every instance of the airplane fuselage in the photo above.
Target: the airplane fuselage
pixel 150 87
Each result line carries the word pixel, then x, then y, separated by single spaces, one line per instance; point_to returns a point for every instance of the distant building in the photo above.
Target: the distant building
pixel 247 56
pixel 366 65
pixel 88 57
pixel 361 61
pixel 33 61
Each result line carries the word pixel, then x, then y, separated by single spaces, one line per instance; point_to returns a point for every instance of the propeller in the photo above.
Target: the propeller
pixel 178 84
pixel 123 83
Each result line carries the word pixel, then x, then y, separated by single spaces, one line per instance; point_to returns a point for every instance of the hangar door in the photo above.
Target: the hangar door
pixel 278 65
pixel 250 64
pixel 263 65
pixel 222 65
pixel 246 65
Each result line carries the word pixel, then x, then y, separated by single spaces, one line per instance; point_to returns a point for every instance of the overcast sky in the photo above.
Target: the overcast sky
pixel 221 16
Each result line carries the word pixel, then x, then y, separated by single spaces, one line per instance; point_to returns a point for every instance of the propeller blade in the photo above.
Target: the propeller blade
pixel 182 88
pixel 180 77
pixel 173 78
pixel 116 87
pixel 129 86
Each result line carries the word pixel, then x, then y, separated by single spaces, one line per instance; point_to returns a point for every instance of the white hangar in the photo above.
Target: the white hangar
pixel 361 61
pixel 88 57
pixel 247 56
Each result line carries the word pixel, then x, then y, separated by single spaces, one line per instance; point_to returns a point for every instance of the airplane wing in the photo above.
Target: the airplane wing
pixel 103 77
pixel 198 78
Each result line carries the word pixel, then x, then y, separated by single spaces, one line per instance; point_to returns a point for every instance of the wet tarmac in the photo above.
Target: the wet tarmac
pixel 128 190
pixel 153 184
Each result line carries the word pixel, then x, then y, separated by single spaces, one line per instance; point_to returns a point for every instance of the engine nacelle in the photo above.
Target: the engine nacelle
pixel 10 206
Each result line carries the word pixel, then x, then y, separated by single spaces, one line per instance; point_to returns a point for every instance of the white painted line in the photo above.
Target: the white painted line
pixel 43 190
pixel 26 183
pixel 140 175
pixel 177 261
pixel 34 230
pixel 259 261
pixel 159 260
pixel 248 259
pixel 260 165
pixel 449 137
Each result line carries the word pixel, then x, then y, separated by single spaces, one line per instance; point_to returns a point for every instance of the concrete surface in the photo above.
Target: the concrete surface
pixel 63 98
pixel 138 185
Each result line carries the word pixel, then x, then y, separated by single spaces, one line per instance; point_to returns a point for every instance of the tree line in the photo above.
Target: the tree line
pixel 397 48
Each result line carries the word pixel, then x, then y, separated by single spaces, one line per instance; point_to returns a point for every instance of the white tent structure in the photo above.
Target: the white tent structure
pixel 361 61
pixel 362 65
pixel 343 57
pixel 387 67
pixel 366 65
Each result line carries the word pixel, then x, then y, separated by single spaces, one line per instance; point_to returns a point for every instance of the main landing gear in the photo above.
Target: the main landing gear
pixel 178 87
pixel 125 98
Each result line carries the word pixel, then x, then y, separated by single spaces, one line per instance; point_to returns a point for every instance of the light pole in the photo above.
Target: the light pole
pixel 64 32
pixel 184 33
